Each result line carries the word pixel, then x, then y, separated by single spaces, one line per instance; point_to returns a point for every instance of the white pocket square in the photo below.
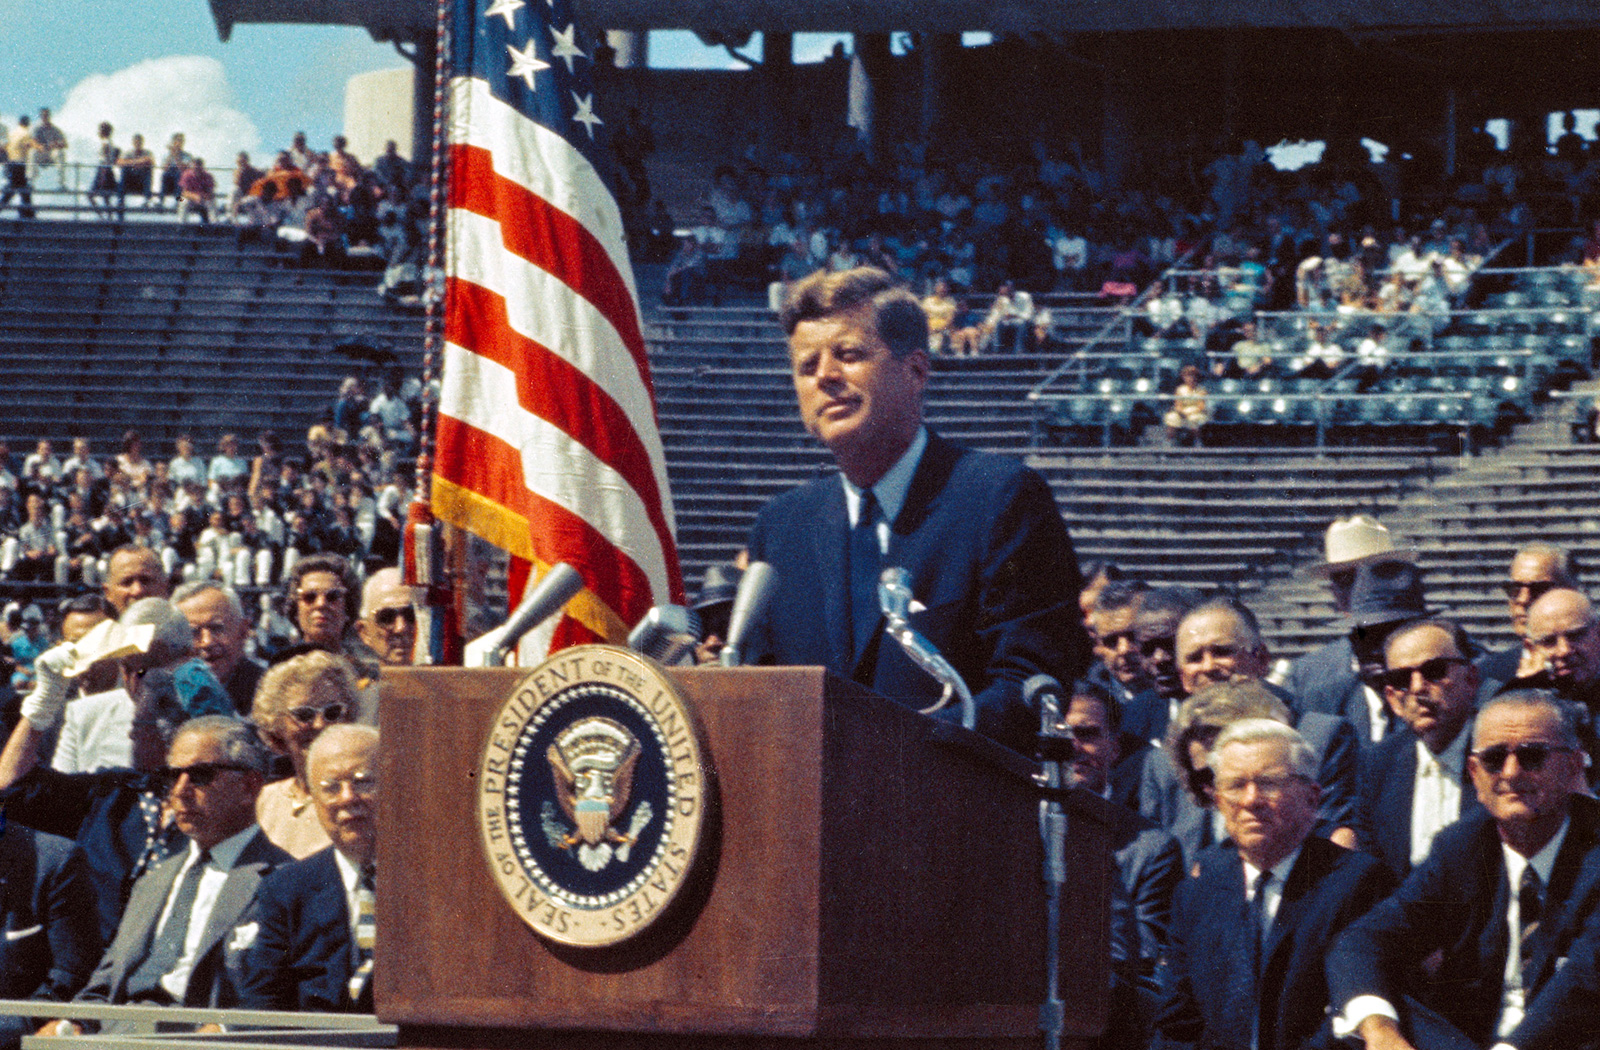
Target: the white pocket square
pixel 244 936
pixel 17 935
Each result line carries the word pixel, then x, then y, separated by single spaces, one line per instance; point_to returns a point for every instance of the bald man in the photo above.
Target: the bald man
pixel 388 621
pixel 133 573
pixel 1536 570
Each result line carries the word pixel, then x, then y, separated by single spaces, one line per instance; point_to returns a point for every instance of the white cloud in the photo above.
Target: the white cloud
pixel 155 98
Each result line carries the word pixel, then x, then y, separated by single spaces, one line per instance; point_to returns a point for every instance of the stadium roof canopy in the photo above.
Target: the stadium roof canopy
pixel 406 19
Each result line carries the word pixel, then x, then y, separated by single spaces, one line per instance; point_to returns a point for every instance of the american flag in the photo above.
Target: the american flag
pixel 547 438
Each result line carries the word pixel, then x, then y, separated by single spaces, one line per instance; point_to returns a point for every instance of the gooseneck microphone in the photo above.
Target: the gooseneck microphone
pixel 895 599
pixel 750 603
pixel 553 591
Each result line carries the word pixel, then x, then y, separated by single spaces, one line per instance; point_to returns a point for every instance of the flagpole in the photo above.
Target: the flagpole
pixel 424 565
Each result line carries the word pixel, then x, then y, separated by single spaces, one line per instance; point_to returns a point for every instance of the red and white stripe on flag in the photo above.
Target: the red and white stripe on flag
pixel 547 439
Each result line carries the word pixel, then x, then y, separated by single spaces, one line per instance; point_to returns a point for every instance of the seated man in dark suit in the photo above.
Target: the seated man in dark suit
pixel 305 953
pixel 1415 783
pixel 1156 627
pixel 1328 677
pixel 1148 858
pixel 1250 931
pixel 1493 940
pixel 1119 666
pixel 1220 641
pixel 170 947
pixel 1535 570
pixel 115 815
pixel 51 939
pixel 990 563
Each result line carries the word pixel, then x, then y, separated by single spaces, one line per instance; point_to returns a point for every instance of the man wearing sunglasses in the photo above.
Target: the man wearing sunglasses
pixel 1328 679
pixel 1537 569
pixel 1493 939
pixel 388 621
pixel 1415 783
pixel 170 946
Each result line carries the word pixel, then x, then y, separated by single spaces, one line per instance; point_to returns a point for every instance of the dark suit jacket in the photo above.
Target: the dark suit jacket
pixel 1324 681
pixel 1455 903
pixel 302 957
pixel 989 557
pixel 1327 889
pixel 1501 665
pixel 51 940
pixel 241 684
pixel 213 983
pixel 100 811
pixel 1388 782
pixel 1151 865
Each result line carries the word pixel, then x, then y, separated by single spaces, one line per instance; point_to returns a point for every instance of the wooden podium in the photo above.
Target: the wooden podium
pixel 875 881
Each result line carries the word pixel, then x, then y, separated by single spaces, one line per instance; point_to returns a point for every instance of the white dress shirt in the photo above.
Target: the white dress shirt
pixel 1436 795
pixel 224 855
pixel 889 490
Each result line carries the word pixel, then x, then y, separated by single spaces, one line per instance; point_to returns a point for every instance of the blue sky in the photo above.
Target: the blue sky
pixel 277 78
pixel 156 66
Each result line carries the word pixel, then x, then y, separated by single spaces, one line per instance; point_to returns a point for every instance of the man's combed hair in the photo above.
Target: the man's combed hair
pixel 896 314
pixel 1302 759
pixel 1569 717
pixel 238 738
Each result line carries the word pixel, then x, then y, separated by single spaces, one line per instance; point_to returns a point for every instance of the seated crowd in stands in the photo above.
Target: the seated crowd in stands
pixel 192 801
pixel 242 519
pixel 1380 760
pixel 1047 219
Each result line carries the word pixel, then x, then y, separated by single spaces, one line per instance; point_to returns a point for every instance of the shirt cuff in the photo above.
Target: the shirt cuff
pixel 1359 1009
pixel 1502 1046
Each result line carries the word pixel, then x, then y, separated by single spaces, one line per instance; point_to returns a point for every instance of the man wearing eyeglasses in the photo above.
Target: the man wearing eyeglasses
pixel 388 621
pixel 1536 569
pixel 169 947
pixel 313 948
pixel 1493 939
pixel 1250 932
pixel 1415 784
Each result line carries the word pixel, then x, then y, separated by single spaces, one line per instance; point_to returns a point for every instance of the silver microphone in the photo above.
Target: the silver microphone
pixel 894 599
pixel 553 591
pixel 667 634
pixel 750 602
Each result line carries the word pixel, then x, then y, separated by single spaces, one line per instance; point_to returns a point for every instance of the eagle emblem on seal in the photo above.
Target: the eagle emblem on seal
pixel 592 763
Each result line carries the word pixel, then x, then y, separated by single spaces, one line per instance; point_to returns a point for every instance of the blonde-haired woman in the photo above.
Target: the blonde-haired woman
pixel 295 702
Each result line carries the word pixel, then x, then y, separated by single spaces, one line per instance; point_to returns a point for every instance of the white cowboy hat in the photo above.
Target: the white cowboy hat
pixel 1358 540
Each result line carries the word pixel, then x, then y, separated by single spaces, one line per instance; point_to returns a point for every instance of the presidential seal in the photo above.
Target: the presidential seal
pixel 592 796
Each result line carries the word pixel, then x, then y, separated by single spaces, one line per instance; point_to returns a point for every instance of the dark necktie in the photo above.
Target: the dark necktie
pixel 1259 922
pixel 366 937
pixel 865 557
pixel 1530 907
pixel 1258 917
pixel 167 948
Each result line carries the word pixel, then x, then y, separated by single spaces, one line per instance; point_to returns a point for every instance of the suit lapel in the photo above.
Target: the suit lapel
pixel 238 890
pixel 1572 885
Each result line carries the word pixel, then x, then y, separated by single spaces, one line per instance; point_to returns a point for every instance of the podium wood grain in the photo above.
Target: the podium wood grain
pixel 874 881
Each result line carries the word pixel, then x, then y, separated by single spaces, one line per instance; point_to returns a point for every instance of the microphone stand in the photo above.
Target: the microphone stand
pixel 1055 750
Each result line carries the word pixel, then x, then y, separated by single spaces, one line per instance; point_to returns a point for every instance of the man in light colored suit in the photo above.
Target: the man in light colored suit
pixel 169 948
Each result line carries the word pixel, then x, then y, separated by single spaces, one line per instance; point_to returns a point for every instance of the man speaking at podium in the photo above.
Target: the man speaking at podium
pixel 991 565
